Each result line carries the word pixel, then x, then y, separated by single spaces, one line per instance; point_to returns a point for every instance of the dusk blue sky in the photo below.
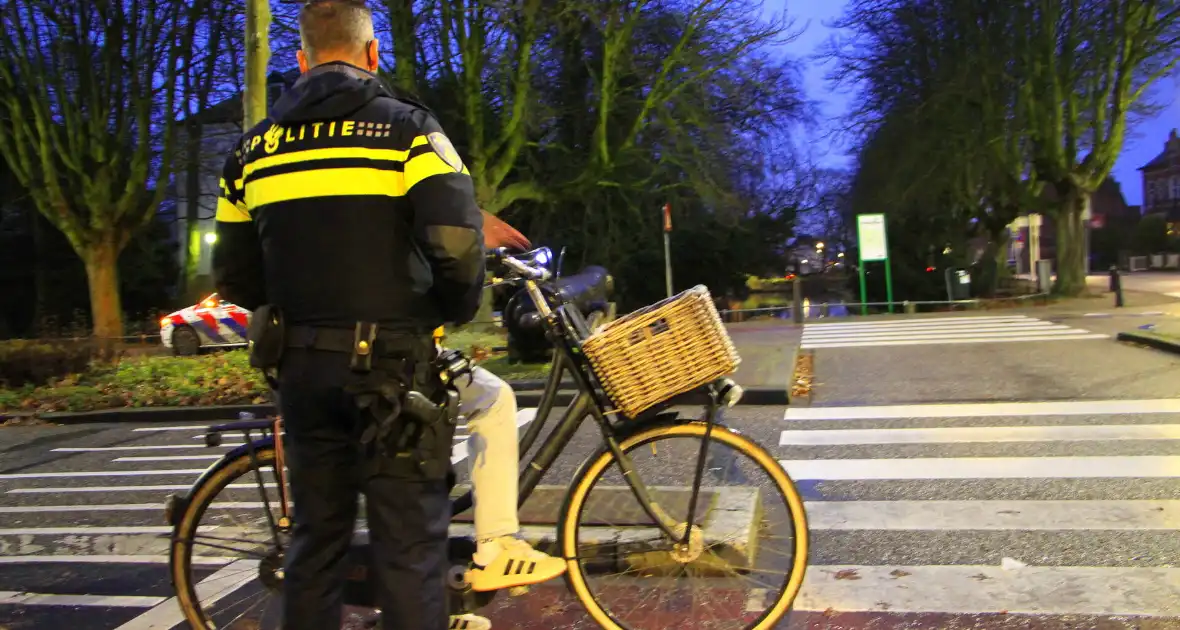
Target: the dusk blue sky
pixel 1145 140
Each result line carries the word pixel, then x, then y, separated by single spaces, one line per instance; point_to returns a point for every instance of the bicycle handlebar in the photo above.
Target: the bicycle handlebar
pixel 523 269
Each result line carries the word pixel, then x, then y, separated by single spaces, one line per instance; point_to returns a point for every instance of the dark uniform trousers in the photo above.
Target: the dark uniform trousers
pixel 407 515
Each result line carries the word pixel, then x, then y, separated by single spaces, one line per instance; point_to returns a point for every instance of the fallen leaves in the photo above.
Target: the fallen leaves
pixel 898 573
pixel 804 375
pixel 847 574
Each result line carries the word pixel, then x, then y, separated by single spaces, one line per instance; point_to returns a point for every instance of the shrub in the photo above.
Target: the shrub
pixel 28 362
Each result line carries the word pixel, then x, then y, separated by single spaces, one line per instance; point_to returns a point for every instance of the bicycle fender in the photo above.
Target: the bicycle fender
pixel 236 452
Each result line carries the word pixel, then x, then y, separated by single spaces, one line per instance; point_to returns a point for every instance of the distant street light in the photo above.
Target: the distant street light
pixel 840 255
pixel 819 245
pixel 804 261
pixel 211 237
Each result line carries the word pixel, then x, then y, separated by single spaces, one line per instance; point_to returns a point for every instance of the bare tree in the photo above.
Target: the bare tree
pixel 88 100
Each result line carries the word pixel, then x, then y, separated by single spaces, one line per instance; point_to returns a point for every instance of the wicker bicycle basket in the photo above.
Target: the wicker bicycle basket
pixel 659 351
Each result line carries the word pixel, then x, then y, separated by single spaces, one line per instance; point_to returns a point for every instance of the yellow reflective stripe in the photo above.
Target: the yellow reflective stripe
pixel 390 155
pixel 419 141
pixel 229 212
pixel 424 166
pixel 240 183
pixel 324 183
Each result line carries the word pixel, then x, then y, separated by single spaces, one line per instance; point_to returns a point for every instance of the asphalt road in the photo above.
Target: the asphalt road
pixel 1010 463
pixel 956 474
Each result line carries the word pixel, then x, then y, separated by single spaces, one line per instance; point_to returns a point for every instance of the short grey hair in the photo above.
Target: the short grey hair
pixel 335 26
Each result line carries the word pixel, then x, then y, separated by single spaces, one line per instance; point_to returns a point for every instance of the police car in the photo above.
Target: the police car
pixel 211 323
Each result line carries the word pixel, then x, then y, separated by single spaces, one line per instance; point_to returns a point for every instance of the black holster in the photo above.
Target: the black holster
pixel 265 337
pixel 411 425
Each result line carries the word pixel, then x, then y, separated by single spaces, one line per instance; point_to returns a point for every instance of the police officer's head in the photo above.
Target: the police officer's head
pixel 337 30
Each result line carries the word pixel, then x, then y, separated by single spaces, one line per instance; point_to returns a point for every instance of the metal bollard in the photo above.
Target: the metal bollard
pixel 1116 286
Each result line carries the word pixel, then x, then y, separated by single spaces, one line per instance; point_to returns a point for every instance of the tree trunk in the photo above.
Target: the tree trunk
pixel 993 263
pixel 1071 243
pixel 106 309
pixel 257 59
pixel 40 273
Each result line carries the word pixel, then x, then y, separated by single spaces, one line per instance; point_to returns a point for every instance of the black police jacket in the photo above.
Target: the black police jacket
pixel 349 204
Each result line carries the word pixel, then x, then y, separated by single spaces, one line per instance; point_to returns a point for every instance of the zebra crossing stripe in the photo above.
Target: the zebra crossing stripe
pixel 955 330
pixel 968 435
pixel 924 321
pixel 959 340
pixel 989 409
pixel 1022 515
pixel 974 589
pixel 16 598
pixel 1142 466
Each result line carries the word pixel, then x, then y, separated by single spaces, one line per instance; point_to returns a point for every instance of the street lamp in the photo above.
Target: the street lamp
pixel 840 255
pixel 819 246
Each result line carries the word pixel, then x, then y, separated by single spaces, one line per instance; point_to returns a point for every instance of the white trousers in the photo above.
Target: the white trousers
pixel 489 405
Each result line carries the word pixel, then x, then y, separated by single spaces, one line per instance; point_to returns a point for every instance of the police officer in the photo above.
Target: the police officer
pixel 348 224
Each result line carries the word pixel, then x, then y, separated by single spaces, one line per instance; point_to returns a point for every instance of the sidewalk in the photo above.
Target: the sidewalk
pixel 1161 334
pixel 768 351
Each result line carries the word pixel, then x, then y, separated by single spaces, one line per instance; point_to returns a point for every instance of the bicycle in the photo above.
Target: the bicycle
pixel 720 543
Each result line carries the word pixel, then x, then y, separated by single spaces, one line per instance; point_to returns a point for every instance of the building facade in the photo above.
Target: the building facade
pixel 1161 183
pixel 215 129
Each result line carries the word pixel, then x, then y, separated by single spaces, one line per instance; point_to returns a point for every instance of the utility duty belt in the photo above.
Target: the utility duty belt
pixel 403 388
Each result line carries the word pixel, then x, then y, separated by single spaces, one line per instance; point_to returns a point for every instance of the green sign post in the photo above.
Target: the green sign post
pixel 870 236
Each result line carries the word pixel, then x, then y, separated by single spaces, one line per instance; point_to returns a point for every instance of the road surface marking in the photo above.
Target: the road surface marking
pixel 102 473
pixel 926 342
pixel 991 589
pixel 103 449
pixel 939 331
pixel 980 410
pixel 168 458
pixel 955 435
pixel 808 331
pixel 190 427
pixel 98 559
pixel 1154 466
pixel 62 489
pixel 14 598
pixel 993 515
pixel 906 336
pixel 210 590
pixel 124 507
pixel 83 530
pixel 927 321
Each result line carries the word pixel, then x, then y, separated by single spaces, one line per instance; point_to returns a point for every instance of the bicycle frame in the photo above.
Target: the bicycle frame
pixel 561 326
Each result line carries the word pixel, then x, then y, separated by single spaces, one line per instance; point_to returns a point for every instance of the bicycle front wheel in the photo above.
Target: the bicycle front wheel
pixel 227 551
pixel 747 550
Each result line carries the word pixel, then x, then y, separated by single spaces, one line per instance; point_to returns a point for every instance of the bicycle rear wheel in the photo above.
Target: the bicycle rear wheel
pixel 747 550
pixel 227 554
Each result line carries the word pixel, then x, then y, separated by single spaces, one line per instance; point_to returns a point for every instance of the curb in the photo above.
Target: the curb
pixel 525 397
pixel 1151 341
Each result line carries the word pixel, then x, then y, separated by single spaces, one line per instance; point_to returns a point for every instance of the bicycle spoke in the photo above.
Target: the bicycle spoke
pixel 703 576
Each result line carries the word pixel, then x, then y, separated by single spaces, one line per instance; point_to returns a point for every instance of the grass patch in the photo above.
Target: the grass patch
pixel 216 378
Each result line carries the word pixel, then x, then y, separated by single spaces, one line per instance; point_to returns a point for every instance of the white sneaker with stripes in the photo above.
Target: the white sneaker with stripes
pixel 469 621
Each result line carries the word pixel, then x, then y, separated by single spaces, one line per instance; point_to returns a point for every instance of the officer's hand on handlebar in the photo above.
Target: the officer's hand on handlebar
pixel 497 233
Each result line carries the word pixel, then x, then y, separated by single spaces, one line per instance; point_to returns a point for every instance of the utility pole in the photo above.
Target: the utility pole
pixel 668 247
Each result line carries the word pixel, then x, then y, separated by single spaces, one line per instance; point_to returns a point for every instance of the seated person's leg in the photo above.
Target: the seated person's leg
pixel 492 455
